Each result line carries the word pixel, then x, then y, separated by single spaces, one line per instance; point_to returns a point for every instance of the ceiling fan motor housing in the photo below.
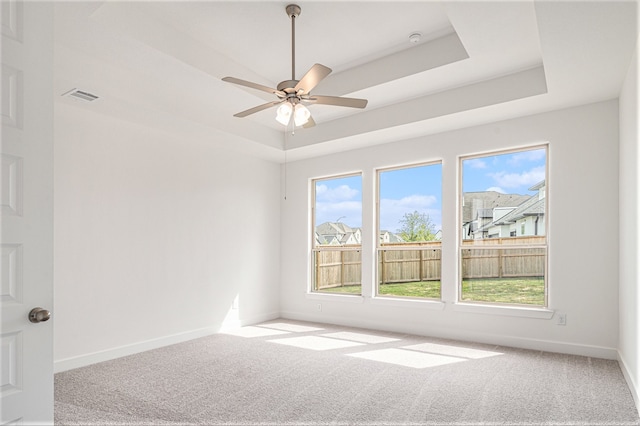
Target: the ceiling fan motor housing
pixel 287 86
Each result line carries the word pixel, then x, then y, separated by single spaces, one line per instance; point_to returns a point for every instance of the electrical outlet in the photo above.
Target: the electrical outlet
pixel 319 307
pixel 562 319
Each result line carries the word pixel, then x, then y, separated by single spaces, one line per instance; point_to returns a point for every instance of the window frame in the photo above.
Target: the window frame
pixel 460 238
pixel 312 282
pixel 407 247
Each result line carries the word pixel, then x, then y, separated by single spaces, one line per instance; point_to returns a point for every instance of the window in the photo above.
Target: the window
pixel 337 235
pixel 503 225
pixel 409 231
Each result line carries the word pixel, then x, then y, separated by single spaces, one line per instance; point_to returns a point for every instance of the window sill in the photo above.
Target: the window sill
pixel 512 311
pixel 403 303
pixel 349 298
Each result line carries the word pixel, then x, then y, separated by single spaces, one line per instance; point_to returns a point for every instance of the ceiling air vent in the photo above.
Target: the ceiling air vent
pixel 80 94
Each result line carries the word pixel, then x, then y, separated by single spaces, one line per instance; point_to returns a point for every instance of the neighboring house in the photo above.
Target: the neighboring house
pixel 527 219
pixel 478 209
pixel 387 237
pixel 339 234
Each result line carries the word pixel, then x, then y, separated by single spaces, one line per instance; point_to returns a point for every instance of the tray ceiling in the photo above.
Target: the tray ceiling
pixel 161 64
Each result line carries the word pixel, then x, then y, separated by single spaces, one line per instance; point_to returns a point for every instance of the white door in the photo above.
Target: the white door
pixel 26 189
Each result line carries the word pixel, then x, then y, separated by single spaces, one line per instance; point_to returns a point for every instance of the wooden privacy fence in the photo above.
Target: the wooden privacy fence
pixel 503 263
pixel 399 263
pixel 337 268
pixel 508 262
pixel 511 241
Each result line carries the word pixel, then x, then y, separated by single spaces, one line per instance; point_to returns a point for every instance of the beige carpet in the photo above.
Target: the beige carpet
pixel 284 373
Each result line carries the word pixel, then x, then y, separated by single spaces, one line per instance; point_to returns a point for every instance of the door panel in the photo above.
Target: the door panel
pixel 26 209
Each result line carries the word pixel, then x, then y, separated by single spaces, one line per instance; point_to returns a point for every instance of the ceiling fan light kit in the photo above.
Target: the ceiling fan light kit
pixel 283 113
pixel 294 94
pixel 301 115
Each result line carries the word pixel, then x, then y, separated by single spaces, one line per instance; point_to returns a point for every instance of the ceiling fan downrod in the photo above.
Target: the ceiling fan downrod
pixel 292 94
pixel 293 11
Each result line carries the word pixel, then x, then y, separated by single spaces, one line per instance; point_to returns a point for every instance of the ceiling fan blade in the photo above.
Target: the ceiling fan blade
pixel 338 101
pixel 309 123
pixel 254 86
pixel 257 109
pixel 311 79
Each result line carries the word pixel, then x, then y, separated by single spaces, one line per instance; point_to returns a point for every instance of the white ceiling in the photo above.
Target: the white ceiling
pixel 160 64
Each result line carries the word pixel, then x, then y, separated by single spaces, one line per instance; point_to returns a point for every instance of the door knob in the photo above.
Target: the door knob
pixel 39 315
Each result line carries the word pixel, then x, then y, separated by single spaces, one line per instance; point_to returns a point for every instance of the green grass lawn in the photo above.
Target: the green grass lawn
pixel 427 289
pixel 525 291
pixel 348 289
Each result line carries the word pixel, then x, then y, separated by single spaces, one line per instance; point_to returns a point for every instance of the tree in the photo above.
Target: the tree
pixel 417 227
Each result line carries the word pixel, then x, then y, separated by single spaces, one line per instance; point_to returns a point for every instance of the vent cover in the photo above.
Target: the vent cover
pixel 81 94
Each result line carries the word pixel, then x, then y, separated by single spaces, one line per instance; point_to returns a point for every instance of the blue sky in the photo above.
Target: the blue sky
pixel 410 189
pixel 401 191
pixel 420 188
pixel 339 200
pixel 511 173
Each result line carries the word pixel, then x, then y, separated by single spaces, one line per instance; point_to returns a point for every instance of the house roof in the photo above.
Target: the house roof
pixel 486 201
pixel 485 213
pixel 336 233
pixel 393 238
pixel 531 207
pixel 537 186
pixel 333 228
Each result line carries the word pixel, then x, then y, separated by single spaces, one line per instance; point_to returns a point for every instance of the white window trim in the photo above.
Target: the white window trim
pixel 543 312
pixel 313 249
pixel 409 302
pixel 334 297
pixel 506 310
pixel 377 299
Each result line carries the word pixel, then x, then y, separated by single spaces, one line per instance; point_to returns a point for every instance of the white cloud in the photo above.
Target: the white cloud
pixel 392 211
pixel 496 189
pixel 533 155
pixel 515 180
pixel 415 202
pixel 339 193
pixel 476 163
pixel 349 212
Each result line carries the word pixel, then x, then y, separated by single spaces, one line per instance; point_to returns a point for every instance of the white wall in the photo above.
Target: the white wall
pixel 155 236
pixel 630 231
pixel 583 266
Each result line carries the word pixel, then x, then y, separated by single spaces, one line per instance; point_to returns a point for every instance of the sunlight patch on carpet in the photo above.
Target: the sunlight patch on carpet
pixel 456 351
pixel 316 343
pixel 360 337
pixel 407 358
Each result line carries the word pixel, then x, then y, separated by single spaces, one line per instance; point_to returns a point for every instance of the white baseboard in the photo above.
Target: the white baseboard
pixel 633 386
pixel 134 348
pixel 463 335
pixel 232 324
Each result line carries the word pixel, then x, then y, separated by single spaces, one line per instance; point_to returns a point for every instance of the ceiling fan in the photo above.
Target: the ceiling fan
pixel 294 94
